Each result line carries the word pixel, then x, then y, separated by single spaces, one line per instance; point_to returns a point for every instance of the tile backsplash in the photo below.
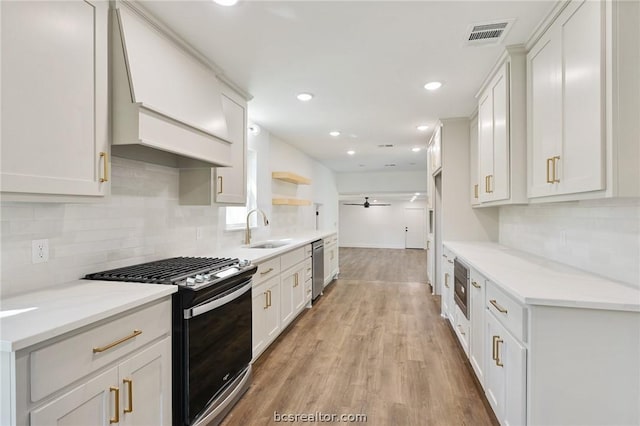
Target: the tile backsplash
pixel 600 236
pixel 140 221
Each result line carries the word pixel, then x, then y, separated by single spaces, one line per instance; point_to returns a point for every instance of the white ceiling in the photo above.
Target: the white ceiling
pixel 365 61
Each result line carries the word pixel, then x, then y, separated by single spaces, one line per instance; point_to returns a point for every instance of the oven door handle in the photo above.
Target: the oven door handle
pixel 201 309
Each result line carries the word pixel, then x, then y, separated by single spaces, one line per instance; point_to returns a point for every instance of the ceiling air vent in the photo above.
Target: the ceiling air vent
pixel 488 33
pixel 390 165
pixel 385 146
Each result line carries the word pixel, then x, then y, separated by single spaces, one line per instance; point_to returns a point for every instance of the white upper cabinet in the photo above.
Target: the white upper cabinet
pixel 500 159
pixel 473 163
pixel 231 182
pixel 167 103
pixel 582 139
pixel 435 151
pixel 54 98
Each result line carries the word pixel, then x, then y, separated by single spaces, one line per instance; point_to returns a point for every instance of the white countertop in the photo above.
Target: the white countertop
pixel 534 280
pixel 260 255
pixel 32 318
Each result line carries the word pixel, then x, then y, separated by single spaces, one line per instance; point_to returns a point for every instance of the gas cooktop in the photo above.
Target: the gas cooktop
pixel 190 272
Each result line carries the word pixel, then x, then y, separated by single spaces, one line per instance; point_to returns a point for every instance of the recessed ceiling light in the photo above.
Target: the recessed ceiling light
pixel 416 149
pixel 351 152
pixel 225 2
pixel 417 193
pixel 304 97
pixel 254 129
pixel 422 127
pixel 433 85
pixel 335 133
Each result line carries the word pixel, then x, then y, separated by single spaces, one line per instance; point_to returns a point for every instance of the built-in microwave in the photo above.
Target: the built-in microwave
pixel 461 286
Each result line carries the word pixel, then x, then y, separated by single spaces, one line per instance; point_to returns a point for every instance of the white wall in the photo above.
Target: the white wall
pixel 142 221
pixel 602 236
pixel 382 182
pixel 378 227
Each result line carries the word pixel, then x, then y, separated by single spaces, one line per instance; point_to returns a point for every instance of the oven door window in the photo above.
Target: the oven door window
pixel 219 348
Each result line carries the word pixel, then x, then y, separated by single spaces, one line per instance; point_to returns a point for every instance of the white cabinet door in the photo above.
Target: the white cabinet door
pixel 581 164
pixel 286 298
pixel 474 162
pixel 544 68
pixel 565 88
pixel 436 150
pixel 447 287
pixel 477 340
pixel 330 262
pixel 272 315
pixel 231 182
pixel 265 314
pixel 92 403
pixel 333 259
pixel 493 138
pixel 145 386
pixel 54 97
pixel 505 379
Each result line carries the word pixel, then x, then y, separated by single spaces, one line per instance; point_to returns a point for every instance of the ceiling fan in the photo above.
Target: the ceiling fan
pixel 366 204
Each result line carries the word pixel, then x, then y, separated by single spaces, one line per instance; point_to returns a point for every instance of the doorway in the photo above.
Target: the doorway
pixel 414 228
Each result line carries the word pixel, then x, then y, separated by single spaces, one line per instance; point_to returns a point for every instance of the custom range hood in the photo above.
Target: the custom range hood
pixel 167 105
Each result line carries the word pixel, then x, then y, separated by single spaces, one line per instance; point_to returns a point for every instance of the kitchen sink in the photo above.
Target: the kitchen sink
pixel 270 244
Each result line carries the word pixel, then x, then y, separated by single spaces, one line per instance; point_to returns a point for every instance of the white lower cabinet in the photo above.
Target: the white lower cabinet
pixel 266 314
pixel 331 267
pixel 116 372
pixel 279 297
pixel 461 328
pixel 447 285
pixel 136 392
pixel 505 380
pixel 476 324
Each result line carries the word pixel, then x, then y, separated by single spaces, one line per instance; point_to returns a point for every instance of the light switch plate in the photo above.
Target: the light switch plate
pixel 39 251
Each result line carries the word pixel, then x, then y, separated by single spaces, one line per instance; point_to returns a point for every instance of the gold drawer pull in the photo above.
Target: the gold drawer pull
pixel 266 272
pixel 555 167
pixel 549 161
pixel 105 157
pixel 116 418
pixel 129 383
pixel 475 191
pixel 450 261
pixel 117 342
pixel 498 360
pixel 498 307
pixel 460 328
pixel 220 191
pixel 475 284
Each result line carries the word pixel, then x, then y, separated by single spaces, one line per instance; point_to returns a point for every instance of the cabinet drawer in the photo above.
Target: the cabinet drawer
pixel 266 270
pixel 509 312
pixel 292 258
pixel 59 364
pixel 308 269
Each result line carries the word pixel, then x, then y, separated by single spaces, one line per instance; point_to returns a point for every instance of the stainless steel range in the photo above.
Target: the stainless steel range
pixel 211 331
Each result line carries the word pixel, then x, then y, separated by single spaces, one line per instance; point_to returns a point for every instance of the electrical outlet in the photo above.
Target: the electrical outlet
pixel 39 251
pixel 199 233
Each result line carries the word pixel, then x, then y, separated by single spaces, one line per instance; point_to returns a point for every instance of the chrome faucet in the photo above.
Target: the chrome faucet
pixel 247 234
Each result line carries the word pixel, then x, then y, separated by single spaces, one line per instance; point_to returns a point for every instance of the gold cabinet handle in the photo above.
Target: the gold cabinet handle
pixel 105 157
pixel 220 191
pixel 549 161
pixel 493 348
pixel 498 360
pixel 446 280
pixel 449 260
pixel 116 418
pixel 269 291
pixel 555 168
pixel 266 300
pixel 475 191
pixel 498 307
pixel 490 178
pixel 486 184
pixel 117 342
pixel 295 280
pixel 266 272
pixel 129 383
pixel 475 284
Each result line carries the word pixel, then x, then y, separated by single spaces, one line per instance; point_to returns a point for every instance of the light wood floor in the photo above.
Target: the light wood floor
pixel 373 344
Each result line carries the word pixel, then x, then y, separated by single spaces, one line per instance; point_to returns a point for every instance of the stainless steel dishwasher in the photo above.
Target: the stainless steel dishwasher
pixel 317 257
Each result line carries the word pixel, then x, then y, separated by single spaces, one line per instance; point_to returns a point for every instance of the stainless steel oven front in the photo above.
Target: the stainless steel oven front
pixel 461 286
pixel 212 351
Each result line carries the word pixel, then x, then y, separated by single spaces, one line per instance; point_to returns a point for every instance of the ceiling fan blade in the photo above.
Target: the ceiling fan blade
pixel 379 204
pixel 351 204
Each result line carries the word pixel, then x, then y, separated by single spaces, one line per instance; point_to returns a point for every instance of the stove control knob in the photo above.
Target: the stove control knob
pixel 244 263
pixel 199 278
pixel 191 281
pixel 207 277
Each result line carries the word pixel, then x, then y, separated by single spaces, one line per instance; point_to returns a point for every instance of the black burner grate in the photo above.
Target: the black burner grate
pixel 166 271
